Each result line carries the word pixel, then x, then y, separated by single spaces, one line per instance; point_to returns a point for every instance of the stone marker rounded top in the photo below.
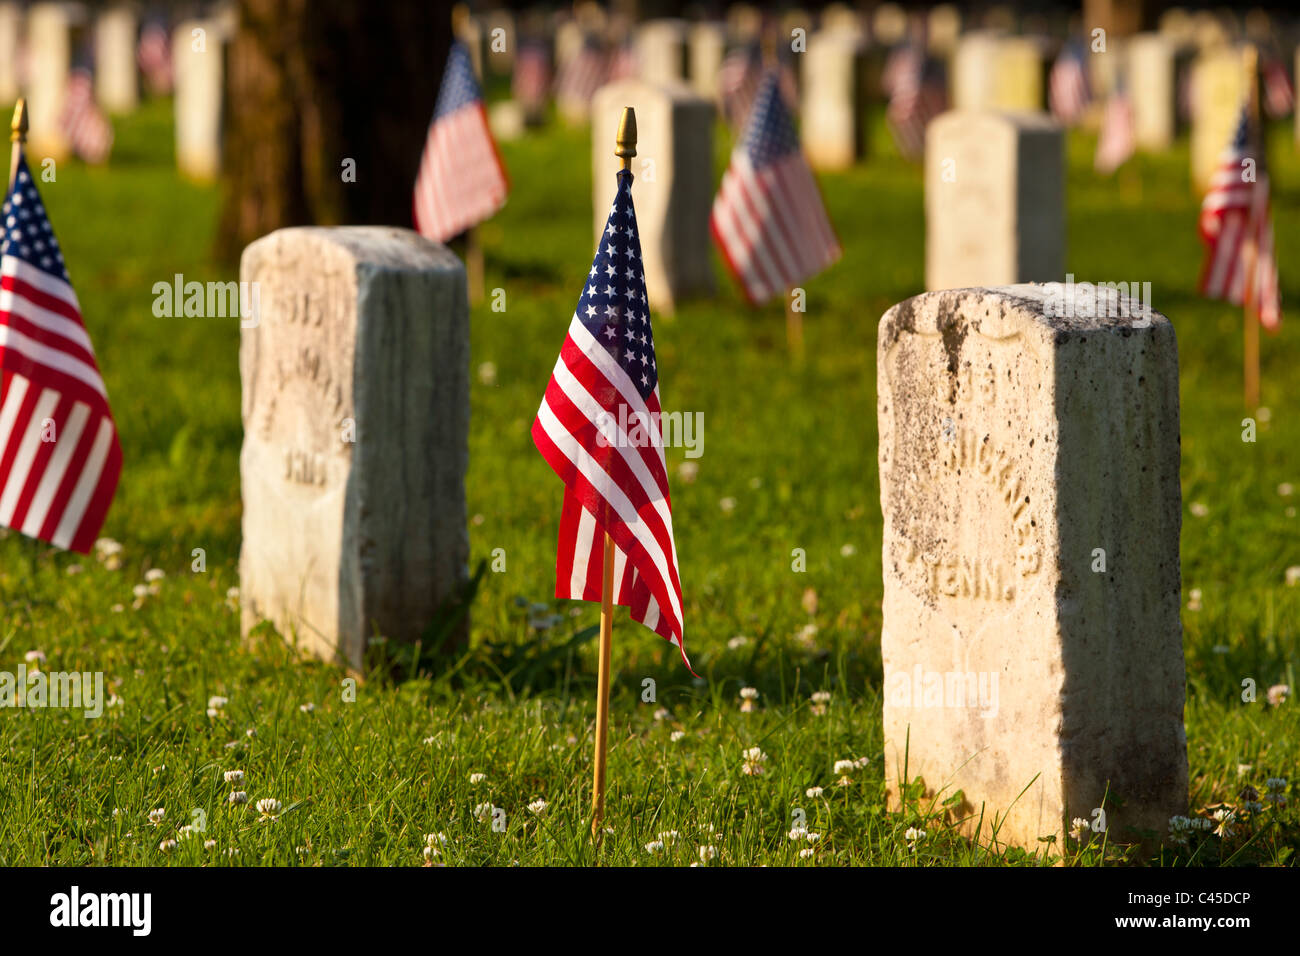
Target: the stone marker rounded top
pixel 998 312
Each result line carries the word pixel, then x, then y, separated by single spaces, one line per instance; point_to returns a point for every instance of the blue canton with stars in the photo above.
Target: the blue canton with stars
pixel 770 134
pixel 459 85
pixel 28 234
pixel 613 307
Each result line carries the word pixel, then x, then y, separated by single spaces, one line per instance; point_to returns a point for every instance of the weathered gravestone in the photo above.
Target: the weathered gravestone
pixel 116 80
pixel 1151 89
pixel 11 22
pixel 198 57
pixel 674 183
pixel 994 199
pixel 1218 89
pixel 708 42
pixel 831 131
pixel 995 71
pixel 1031 641
pixel 661 51
pixel 355 371
pixel 49 47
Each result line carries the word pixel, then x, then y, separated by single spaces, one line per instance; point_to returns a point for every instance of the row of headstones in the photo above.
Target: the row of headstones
pixel 50 32
pixel 1018 447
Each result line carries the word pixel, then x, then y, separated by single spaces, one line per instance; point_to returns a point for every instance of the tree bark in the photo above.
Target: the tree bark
pixel 310 86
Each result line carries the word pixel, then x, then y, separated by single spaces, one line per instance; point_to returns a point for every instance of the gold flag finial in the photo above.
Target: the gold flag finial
pixel 18 128
pixel 625 144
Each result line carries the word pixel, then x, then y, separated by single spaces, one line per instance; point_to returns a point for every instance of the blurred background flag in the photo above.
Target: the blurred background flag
pixel 768 217
pixel 154 57
pixel 1279 94
pixel 531 83
pixel 599 429
pixel 583 74
pixel 59 454
pixel 917 94
pixel 1068 84
pixel 84 124
pixel 462 180
pixel 1237 228
pixel 1118 137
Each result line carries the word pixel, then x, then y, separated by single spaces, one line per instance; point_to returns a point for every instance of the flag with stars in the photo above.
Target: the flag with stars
pixel 59 453
pixel 462 180
pixel 599 429
pixel 1237 229
pixel 768 218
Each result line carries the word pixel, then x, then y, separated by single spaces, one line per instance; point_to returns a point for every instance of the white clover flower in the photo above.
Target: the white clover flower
pixel 74 569
pixel 428 740
pixel 737 642
pixel 430 852
pixel 806 634
pixel 34 657
pixel 185 832
pixel 537 806
pixel 861 762
pixel 1277 694
pixel 798 833
pixel 812 837
pixel 913 836
pixel 209 844
pixel 156 816
pixel 233 776
pixel 728 504
pixel 483 812
pixel 216 702
pixel 1079 829
pixel 821 697
pixel 153 575
pixel 1194 599
pixel 676 735
pixel 307 708
pixel 268 807
pixel 438 838
pixel 708 853
pixel 806 852
pixel 232 598
pixel 250 732
pixel 1224 818
pixel 688 471
pixel 237 797
pixel 654 846
pixel 813 792
pixel 754 759
pixel 477 778
pixel 1198 509
pixel 848 551
pixel 117 609
pixel 668 836
pixel 844 766
pixel 749 693
pixel 167 845
pixel 661 713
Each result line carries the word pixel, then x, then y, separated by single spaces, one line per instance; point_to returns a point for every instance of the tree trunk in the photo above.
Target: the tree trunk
pixel 312 86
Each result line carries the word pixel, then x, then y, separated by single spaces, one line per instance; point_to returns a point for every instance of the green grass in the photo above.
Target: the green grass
pixel 791 451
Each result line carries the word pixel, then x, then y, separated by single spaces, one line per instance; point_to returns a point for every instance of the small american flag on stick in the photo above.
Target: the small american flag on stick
pixel 1068 85
pixel 615 480
pixel 1237 228
pixel 59 453
pixel 82 121
pixel 1118 138
pixel 462 180
pixel 1279 95
pixel 917 95
pixel 154 56
pixel 768 218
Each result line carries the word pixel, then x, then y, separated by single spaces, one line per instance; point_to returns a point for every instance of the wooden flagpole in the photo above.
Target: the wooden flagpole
pixel 474 265
pixel 624 149
pixel 1249 253
pixel 18 134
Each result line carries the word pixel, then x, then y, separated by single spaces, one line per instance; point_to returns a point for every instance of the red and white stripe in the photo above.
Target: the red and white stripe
pixel 60 459
pixel 620 487
pixel 1240 265
pixel 82 121
pixel 771 225
pixel 1117 139
pixel 462 180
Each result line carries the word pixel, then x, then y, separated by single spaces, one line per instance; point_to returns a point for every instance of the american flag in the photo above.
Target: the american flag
pixel 1279 96
pixel 583 74
pixel 1118 138
pixel 1068 85
pixel 599 429
pixel 768 218
pixel 154 56
pixel 83 122
pixel 59 454
pixel 531 83
pixel 1237 229
pixel 623 63
pixel 917 95
pixel 461 180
